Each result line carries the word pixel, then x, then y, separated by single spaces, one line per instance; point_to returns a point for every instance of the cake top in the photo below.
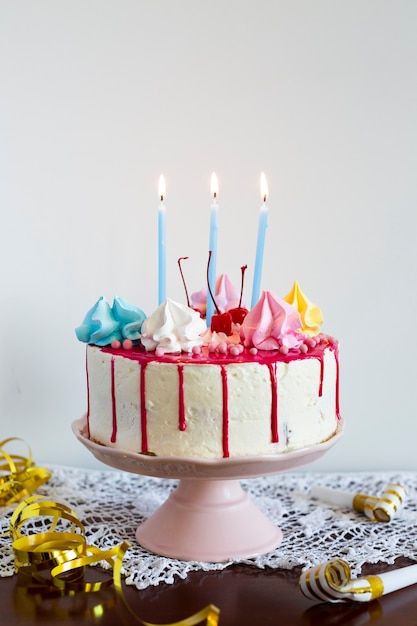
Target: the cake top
pixel 287 325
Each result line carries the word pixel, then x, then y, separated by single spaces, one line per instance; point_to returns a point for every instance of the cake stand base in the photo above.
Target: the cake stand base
pixel 208 517
pixel 208 520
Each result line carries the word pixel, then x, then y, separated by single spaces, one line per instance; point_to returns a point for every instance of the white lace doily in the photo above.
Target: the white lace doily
pixel 112 504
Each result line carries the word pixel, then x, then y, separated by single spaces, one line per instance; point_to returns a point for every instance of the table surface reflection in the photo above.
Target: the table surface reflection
pixel 246 596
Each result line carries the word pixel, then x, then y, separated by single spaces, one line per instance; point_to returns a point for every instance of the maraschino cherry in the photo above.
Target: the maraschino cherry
pixel 239 313
pixel 220 322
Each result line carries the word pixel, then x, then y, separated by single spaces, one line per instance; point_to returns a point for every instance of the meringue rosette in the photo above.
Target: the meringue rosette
pixel 103 324
pixel 129 317
pixel 173 328
pixel 310 314
pixel 226 295
pixel 99 326
pixel 271 324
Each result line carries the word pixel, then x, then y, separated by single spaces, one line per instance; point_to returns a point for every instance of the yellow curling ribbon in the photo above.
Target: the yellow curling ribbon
pixel 19 477
pixel 59 557
pixel 54 561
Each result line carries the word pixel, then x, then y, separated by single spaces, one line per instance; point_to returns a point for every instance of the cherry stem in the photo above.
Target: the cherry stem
pixel 208 284
pixel 243 270
pixel 184 258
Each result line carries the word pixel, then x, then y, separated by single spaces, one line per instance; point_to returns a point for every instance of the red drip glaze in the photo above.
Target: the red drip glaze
pixel 140 355
pixel 274 402
pixel 113 405
pixel 225 392
pixel 321 359
pixel 88 396
pixel 336 352
pixel 181 407
pixel 143 416
pixel 268 358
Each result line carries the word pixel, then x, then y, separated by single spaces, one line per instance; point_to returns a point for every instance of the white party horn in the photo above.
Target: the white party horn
pixel 331 582
pixel 384 508
pixel 380 509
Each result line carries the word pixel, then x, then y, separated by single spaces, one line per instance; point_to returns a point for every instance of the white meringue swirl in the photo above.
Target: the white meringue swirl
pixel 173 328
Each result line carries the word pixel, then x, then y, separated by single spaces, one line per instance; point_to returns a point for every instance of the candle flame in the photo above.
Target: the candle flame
pixel 264 187
pixel 214 186
pixel 162 187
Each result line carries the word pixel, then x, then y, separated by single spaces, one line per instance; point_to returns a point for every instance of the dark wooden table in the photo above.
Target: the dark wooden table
pixel 245 595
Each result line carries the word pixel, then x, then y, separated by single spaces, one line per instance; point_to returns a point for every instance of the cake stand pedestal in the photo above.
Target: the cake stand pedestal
pixel 208 516
pixel 209 520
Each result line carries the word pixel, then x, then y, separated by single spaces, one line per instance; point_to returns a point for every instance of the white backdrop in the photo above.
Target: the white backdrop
pixel 97 98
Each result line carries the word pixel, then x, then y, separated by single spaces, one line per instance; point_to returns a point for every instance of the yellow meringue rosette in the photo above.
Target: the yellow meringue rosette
pixel 310 314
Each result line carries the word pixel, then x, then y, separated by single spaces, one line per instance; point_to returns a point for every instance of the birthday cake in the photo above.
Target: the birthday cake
pixel 257 382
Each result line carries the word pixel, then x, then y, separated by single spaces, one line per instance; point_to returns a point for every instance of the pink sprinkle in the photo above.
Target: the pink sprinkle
pixel 303 348
pixel 159 352
pixel 212 347
pixel 222 347
pixel 196 350
pixel 234 350
pixel 284 349
pixel 253 351
pixel 331 340
pixel 115 344
pixel 127 344
pixel 241 348
pixel 311 342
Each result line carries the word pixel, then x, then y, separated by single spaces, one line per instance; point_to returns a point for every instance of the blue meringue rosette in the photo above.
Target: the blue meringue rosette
pixel 99 326
pixel 129 317
pixel 104 324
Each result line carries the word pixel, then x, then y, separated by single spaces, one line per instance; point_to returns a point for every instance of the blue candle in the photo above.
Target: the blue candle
pixel 263 224
pixel 161 243
pixel 214 213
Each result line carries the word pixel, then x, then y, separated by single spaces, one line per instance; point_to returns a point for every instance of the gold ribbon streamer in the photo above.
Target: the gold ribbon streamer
pixel 58 557
pixel 19 477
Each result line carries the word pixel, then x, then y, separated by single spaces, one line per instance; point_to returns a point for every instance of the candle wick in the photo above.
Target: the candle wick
pixel 162 198
pixel 215 195
pixel 264 198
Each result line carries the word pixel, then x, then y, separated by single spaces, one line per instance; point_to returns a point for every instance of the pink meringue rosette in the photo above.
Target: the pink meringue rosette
pixel 226 295
pixel 271 324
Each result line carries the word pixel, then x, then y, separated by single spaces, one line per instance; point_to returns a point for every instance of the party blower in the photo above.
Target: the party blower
pixel 378 509
pixel 332 582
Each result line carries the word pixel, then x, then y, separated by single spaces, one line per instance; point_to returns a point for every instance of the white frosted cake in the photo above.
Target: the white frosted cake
pixel 167 385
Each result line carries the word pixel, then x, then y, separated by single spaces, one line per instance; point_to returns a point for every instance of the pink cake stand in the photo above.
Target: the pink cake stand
pixel 208 516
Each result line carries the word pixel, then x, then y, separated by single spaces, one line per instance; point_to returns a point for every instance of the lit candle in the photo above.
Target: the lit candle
pixel 161 242
pixel 263 224
pixel 214 213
